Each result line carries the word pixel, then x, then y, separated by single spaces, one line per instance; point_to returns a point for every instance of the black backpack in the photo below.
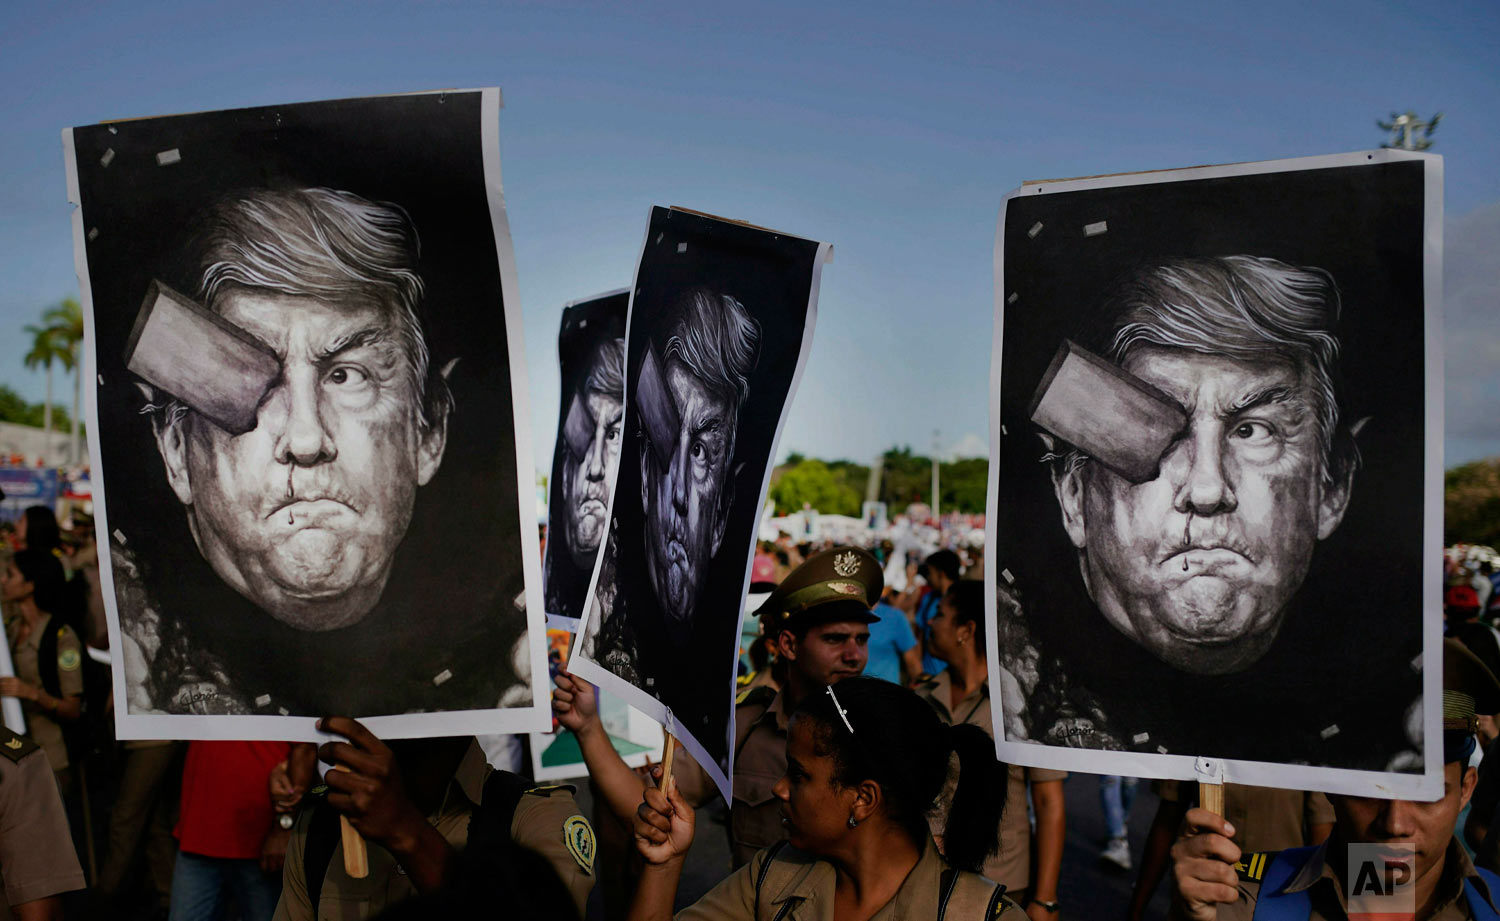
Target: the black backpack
pixel 78 733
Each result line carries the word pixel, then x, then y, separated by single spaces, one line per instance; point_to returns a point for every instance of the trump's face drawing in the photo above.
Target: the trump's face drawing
pixel 1199 563
pixel 588 478
pixel 303 514
pixel 685 499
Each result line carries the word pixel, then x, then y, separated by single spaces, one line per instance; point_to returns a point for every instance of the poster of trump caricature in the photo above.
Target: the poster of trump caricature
pixel 308 418
pixel 1215 530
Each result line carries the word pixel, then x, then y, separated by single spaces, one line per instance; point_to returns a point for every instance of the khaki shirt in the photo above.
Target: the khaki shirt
pixel 1011 865
pixel 43 728
pixel 543 822
pixel 1326 890
pixel 1264 819
pixel 811 883
pixel 37 858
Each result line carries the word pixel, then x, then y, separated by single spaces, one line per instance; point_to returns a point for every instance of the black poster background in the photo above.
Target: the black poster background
pixel 1358 615
pixel 458 573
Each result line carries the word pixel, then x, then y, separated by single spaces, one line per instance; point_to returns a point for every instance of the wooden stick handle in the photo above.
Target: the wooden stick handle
pixel 666 761
pixel 356 856
pixel 1211 797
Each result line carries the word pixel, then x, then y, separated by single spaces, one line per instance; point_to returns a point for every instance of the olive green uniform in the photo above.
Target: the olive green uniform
pixel 1326 890
pixel 37 859
pixel 41 724
pixel 803 887
pixel 546 820
pixel 760 726
pixel 1011 865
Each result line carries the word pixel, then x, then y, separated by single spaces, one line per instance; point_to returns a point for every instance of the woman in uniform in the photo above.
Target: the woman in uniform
pixel 961 694
pixel 47 655
pixel 866 761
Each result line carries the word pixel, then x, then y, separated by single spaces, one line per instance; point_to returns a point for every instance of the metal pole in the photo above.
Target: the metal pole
pixel 936 512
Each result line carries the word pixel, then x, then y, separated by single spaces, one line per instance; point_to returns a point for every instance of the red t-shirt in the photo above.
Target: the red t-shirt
pixel 226 800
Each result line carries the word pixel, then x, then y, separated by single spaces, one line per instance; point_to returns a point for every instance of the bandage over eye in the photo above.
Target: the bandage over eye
pixel 202 359
pixel 658 408
pixel 1106 412
pixel 578 430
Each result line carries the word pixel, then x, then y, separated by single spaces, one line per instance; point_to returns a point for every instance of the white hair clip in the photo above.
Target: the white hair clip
pixel 843 714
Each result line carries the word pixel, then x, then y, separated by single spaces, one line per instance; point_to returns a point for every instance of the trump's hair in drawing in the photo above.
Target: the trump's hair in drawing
pixel 1249 308
pixel 331 245
pixel 607 371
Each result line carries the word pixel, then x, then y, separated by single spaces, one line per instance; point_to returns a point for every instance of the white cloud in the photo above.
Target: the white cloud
pixel 968 445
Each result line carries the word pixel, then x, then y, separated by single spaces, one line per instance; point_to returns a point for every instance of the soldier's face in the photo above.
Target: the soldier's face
pixel 1428 827
pixel 684 515
pixel 302 515
pixel 827 653
pixel 589 477
pixel 1198 564
pixel 814 809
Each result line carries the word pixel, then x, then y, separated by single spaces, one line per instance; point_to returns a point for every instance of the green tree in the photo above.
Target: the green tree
pixel 964 484
pixel 1471 503
pixel 45 349
pixel 65 323
pixel 811 483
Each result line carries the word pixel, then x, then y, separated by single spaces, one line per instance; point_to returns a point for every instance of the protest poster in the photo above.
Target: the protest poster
pixel 721 319
pixel 590 428
pixel 1214 531
pixel 308 419
pixel 556 755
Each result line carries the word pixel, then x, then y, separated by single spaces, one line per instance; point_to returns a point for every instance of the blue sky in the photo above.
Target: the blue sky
pixel 891 130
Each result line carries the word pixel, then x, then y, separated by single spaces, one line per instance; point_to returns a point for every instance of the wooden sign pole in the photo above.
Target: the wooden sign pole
pixel 1211 797
pixel 666 761
pixel 356 856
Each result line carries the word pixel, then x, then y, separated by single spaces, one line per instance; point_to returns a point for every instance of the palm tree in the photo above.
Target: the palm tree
pixel 43 352
pixel 65 322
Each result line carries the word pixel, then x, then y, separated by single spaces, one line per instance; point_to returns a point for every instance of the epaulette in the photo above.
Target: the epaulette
pixel 763 694
pixel 548 789
pixel 15 746
pixel 1253 866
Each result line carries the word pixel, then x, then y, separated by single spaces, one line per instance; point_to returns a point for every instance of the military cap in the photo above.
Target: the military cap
pixel 839 584
pixel 1469 688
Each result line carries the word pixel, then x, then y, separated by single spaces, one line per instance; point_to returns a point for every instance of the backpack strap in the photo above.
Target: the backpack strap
pixel 1479 906
pixel 46 659
pixel 765 870
pixel 946 882
pixel 972 897
pixel 1274 904
pixel 489 824
pixel 317 851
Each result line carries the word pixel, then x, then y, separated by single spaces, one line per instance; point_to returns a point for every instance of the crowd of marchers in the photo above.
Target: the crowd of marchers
pixel 865 784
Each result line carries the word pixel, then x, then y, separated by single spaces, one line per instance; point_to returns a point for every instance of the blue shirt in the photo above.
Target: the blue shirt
pixel 927 609
pixel 890 636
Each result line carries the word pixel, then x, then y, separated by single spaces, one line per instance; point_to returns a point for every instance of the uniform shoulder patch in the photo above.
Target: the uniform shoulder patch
pixel 762 696
pixel 69 660
pixel 578 836
pixel 14 746
pixel 1253 866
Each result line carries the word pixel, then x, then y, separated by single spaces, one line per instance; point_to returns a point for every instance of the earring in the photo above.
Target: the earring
pixel 852 822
